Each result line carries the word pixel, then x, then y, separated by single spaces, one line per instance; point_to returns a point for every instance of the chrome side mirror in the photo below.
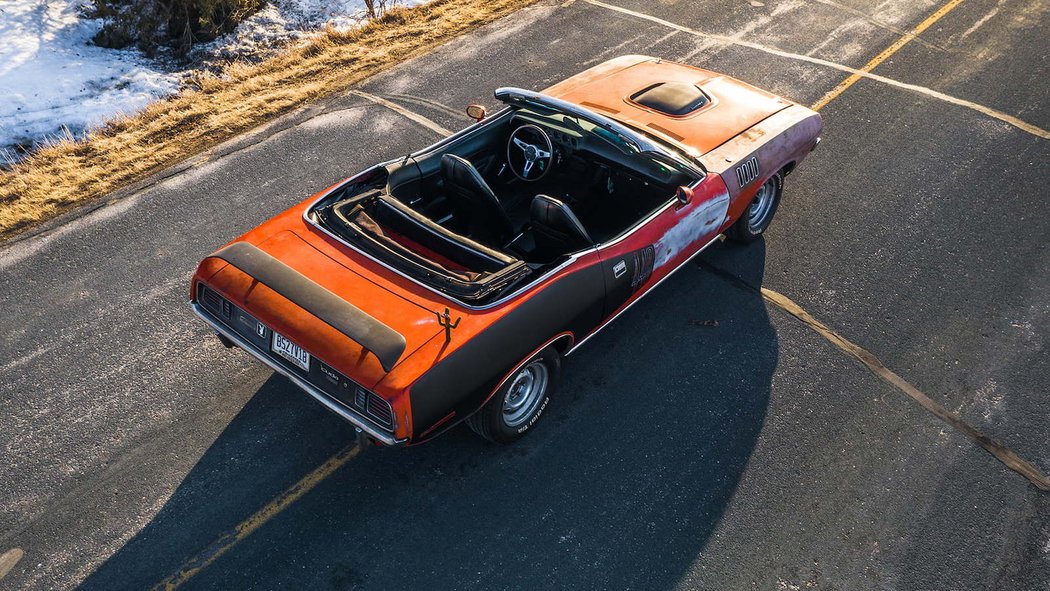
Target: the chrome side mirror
pixel 477 112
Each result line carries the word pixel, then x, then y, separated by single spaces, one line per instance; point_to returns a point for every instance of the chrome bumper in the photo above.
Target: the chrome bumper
pixel 347 414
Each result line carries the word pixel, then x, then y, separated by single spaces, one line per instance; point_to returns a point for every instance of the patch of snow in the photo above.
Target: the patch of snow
pixel 283 21
pixel 52 79
pixel 54 82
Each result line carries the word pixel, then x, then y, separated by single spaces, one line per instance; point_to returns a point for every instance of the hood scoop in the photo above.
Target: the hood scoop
pixel 676 99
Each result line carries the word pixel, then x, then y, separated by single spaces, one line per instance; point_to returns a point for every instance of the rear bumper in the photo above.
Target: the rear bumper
pixel 348 414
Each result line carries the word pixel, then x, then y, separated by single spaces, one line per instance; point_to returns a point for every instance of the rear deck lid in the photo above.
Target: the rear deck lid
pixel 315 332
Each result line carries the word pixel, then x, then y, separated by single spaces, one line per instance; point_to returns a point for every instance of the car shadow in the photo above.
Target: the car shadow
pixel 621 486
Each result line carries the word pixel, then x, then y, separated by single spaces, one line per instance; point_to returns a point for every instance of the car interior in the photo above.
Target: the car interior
pixel 490 208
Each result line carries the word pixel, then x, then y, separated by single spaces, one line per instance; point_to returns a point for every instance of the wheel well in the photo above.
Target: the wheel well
pixel 563 343
pixel 790 166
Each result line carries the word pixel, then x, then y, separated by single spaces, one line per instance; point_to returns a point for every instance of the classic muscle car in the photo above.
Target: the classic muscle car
pixel 448 285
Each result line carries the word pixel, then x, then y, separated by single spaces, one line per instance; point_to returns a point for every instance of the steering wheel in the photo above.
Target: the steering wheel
pixel 529 149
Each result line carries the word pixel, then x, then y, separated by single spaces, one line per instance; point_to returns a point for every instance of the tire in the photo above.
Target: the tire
pixel 759 213
pixel 513 410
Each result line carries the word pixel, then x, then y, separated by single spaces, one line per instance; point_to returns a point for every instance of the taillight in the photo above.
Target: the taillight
pixel 214 302
pixel 379 409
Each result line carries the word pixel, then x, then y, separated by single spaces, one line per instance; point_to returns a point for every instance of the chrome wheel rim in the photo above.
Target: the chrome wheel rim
pixel 526 391
pixel 761 205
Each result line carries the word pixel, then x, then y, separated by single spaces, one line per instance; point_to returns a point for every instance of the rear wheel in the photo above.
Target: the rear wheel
pixel 759 213
pixel 520 401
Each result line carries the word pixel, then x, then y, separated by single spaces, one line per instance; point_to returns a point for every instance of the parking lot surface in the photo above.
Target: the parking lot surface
pixel 704 440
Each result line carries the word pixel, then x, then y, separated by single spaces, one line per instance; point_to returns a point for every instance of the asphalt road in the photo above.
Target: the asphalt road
pixel 745 453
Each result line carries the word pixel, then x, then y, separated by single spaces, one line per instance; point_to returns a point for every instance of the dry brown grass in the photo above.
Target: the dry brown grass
pixel 215 108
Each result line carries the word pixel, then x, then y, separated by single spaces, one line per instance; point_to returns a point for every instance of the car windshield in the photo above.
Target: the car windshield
pixel 674 152
pixel 674 161
pixel 570 120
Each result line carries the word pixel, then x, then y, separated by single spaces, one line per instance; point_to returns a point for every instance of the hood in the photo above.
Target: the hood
pixel 695 109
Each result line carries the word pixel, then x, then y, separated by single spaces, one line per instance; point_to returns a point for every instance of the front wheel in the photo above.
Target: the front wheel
pixel 520 401
pixel 759 213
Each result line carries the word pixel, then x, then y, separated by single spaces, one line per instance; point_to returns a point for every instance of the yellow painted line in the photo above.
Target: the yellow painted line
pixel 1002 453
pixel 9 559
pixel 876 22
pixel 403 112
pixel 1009 119
pixel 886 53
pixel 257 520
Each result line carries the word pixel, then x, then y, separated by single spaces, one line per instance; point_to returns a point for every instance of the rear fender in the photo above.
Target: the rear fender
pixel 462 381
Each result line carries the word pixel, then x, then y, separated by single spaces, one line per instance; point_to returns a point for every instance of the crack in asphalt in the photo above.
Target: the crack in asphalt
pixel 427 102
pixel 877 22
pixel 410 115
pixel 886 53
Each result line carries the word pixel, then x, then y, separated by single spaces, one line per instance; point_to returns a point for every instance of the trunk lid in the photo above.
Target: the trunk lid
pixel 416 321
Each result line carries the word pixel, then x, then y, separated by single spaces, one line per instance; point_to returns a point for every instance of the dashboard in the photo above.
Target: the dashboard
pixel 568 142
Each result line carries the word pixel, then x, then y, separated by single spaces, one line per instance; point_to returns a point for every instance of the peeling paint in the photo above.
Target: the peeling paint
pixel 703 221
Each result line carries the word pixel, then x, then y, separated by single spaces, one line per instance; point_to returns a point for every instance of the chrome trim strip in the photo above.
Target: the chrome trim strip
pixel 345 413
pixel 639 298
pixel 627 234
pixel 555 339
pixel 747 172
pixel 652 216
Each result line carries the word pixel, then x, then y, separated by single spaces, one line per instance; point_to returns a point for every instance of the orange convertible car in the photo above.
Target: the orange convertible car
pixel 448 285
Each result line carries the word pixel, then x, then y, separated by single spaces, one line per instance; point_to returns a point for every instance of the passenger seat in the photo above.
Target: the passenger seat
pixel 556 229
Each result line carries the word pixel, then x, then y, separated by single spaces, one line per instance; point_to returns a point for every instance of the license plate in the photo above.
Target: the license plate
pixel 290 351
